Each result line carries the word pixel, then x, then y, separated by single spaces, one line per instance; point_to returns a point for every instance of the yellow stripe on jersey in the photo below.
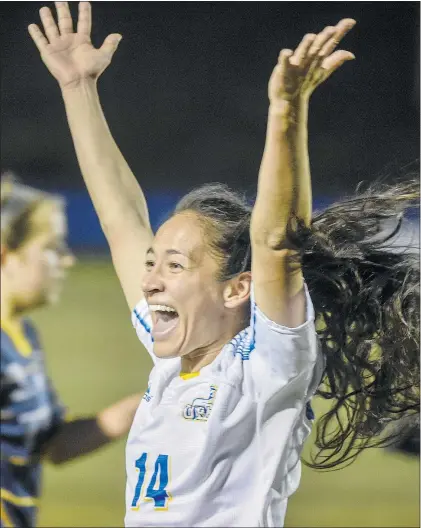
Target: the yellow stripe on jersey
pixel 5 519
pixel 7 496
pixel 188 375
pixel 15 331
pixel 18 460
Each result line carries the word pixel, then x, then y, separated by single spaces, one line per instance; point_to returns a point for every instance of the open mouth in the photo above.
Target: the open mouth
pixel 165 320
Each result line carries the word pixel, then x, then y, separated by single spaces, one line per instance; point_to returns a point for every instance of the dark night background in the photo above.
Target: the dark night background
pixel 186 97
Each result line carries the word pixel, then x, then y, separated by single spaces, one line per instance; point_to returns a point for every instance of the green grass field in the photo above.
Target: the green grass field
pixel 94 358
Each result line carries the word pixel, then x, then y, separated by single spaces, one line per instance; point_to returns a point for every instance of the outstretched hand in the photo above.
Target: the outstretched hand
pixel 68 54
pixel 299 72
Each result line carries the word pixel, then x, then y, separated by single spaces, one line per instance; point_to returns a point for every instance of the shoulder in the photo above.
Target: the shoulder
pixel 19 340
pixel 31 331
pixel 8 346
pixel 270 334
pixel 239 348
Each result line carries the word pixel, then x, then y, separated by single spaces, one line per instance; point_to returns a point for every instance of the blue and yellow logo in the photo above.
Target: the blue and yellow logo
pixel 201 408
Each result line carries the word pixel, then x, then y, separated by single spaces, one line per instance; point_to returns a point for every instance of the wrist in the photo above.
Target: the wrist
pixel 289 107
pixel 84 85
pixel 288 114
pixel 109 424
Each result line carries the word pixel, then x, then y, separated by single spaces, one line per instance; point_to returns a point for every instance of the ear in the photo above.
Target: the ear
pixel 238 290
pixel 4 253
pixel 7 256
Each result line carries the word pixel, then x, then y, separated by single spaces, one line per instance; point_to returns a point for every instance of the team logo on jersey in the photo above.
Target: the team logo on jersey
pixel 147 396
pixel 201 408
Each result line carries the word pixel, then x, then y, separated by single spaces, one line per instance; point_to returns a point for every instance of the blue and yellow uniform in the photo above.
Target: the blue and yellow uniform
pixel 30 416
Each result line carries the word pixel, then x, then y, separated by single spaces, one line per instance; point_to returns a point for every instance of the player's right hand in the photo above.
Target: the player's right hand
pixel 68 54
pixel 299 72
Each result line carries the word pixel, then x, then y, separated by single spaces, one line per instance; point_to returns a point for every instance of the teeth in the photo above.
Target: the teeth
pixel 161 308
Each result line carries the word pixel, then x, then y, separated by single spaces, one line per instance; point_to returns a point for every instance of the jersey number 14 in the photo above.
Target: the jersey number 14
pixel 155 491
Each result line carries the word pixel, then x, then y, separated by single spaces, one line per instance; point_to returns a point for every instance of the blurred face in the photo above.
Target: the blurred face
pixel 35 272
pixel 191 310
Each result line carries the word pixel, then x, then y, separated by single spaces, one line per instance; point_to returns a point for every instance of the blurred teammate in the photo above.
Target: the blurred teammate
pixel 218 436
pixel 34 263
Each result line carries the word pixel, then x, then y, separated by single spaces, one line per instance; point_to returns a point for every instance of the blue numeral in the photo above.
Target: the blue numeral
pixel 160 495
pixel 141 466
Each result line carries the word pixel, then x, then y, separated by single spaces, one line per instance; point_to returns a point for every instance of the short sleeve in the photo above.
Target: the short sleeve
pixel 142 323
pixel 281 354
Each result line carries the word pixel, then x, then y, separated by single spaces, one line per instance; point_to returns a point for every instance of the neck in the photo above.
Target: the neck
pixel 201 357
pixel 8 310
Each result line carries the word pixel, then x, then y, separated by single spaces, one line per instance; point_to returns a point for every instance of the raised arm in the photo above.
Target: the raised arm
pixel 115 192
pixel 284 185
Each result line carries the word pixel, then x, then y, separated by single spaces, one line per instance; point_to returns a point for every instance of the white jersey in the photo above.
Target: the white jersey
pixel 223 448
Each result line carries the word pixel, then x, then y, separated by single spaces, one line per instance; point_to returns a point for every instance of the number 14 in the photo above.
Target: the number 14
pixel 160 496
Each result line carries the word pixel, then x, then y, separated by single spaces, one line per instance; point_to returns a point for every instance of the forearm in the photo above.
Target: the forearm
pixel 85 435
pixel 114 190
pixel 284 185
pixel 76 438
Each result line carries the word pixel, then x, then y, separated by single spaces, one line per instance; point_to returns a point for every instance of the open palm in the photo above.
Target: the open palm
pixel 70 56
pixel 299 72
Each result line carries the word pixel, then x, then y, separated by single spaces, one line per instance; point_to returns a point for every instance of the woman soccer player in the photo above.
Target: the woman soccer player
pixel 223 309
pixel 34 262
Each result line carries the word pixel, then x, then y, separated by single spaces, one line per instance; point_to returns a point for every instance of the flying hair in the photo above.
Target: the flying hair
pixel 365 291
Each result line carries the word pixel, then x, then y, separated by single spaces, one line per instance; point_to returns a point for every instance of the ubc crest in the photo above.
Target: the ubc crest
pixel 201 408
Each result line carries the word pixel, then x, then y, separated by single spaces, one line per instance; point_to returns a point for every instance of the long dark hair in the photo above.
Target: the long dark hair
pixel 365 291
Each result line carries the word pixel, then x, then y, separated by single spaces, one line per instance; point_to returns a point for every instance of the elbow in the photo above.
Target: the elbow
pixel 267 232
pixel 55 452
pixel 276 235
pixel 56 459
pixel 269 238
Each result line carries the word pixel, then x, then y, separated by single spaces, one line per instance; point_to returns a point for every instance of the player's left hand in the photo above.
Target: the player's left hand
pixel 299 72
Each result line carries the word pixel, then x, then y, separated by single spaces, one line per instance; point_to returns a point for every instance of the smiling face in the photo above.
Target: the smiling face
pixel 192 311
pixel 34 272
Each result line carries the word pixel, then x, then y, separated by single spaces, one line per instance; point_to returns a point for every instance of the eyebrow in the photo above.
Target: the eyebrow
pixel 168 252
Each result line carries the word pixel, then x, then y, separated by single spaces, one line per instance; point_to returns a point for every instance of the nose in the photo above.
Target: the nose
pixel 153 282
